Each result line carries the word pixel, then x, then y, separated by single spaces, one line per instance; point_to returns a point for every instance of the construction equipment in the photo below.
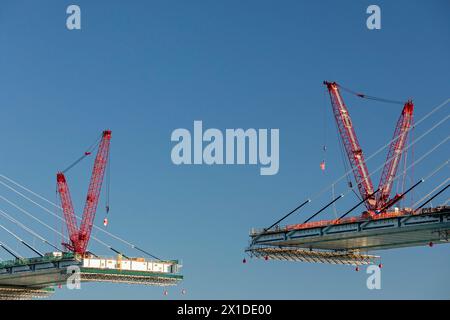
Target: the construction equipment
pixel 375 201
pixel 348 240
pixel 79 237
pixel 25 278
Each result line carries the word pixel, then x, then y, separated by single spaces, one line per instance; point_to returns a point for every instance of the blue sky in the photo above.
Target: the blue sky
pixel 145 68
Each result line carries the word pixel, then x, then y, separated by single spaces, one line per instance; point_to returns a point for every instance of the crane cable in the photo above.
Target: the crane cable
pixel 365 96
pixel 86 153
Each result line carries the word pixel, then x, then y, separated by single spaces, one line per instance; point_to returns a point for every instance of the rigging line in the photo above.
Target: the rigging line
pixel 108 182
pixel 131 245
pixel 446 202
pixel 365 96
pixel 86 153
pixel 431 192
pixel 21 240
pixel 10 218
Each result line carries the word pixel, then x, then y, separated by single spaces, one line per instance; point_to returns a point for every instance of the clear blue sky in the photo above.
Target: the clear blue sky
pixel 145 68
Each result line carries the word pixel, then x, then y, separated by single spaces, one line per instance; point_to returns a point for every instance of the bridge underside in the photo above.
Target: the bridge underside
pixel 22 293
pixel 303 255
pixel 338 243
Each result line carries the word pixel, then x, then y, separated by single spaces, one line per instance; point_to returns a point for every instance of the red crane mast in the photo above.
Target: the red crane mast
pixel 355 154
pixel 394 155
pixel 79 237
pixel 351 144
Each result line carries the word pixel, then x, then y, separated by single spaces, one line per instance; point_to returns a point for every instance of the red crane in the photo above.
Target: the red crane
pixel 381 199
pixel 79 237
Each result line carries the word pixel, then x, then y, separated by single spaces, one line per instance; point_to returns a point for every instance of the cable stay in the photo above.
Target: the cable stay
pixel 283 218
pixel 431 192
pixel 10 251
pixel 433 197
pixel 357 205
pixel 325 207
pixel 49 227
pixel 21 240
pixel 32 216
pixel 61 219
pixel 429 200
pixel 110 234
pixel 397 199
pixel 33 233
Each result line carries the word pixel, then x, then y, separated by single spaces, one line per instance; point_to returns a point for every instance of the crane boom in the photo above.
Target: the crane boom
pixel 79 238
pixel 68 210
pixel 395 153
pixel 351 145
pixel 355 154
